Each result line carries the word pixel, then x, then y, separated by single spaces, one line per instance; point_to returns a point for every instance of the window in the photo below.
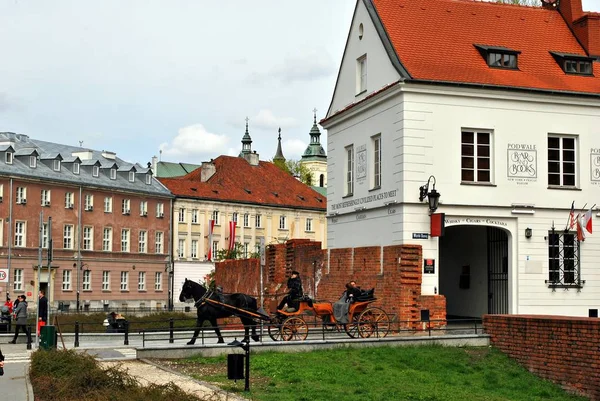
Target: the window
pixel 69 196
pixel 68 236
pixel 87 280
pixel 215 217
pixel 56 165
pixel 246 220
pixel 126 206
pixel 194 216
pixel 246 249
pixel 124 281
pixel 181 215
pixel 215 249
pixel 376 161
pixel 18 279
pixel 502 60
pixel 309 226
pixel 76 168
pixel 88 238
pixel 32 161
pixel 144 208
pixel 181 248
pixel 563 259
pixel 89 202
pixel 45 197
pixel 66 280
pixel 158 242
pixel 234 218
pixel 45 235
pixel 160 210
pixel 108 204
pixel 257 221
pixel 105 280
pixel 8 158
pixel 143 237
pixel 125 240
pixel 194 251
pixel 475 157
pixel 131 176
pixel 20 227
pixel 282 223
pixel 148 179
pixel 142 281
pixel 361 74
pixel 158 281
pixel 95 171
pixel 578 67
pixel 349 171
pixel 107 239
pixel 21 195
pixel 561 161
pixel 113 173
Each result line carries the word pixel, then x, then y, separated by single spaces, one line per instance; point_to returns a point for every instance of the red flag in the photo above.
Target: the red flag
pixel 231 235
pixel 572 216
pixel 580 233
pixel 211 226
pixel 586 221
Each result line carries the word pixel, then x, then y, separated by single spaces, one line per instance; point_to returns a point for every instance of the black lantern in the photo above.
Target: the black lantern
pixel 433 196
pixel 528 232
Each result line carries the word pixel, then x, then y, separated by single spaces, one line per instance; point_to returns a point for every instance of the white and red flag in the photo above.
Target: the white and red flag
pixel 232 225
pixel 580 231
pixel 211 227
pixel 586 220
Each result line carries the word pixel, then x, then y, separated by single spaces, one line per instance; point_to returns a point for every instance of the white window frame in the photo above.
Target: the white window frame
pixel 88 238
pixel 126 207
pixel 8 158
pixel 349 171
pixel 309 225
pixel 21 195
pixel 376 141
pixel 158 242
pixel 108 204
pixel 181 215
pixel 246 219
pixel 215 249
pixel 141 281
pixel 86 283
pixel 95 171
pixel 234 218
pixel 66 280
pixel 160 210
pixel 56 165
pixel 76 168
pixel 107 236
pixel 143 241
pixel 69 196
pixel 148 179
pixel 124 281
pixel 562 162
pixel 89 202
pixel 20 234
pixel 18 279
pixel 143 208
pixel 476 157
pixel 194 216
pixel 194 249
pixel 157 281
pixel 132 176
pixel 68 230
pixel 45 235
pixel 105 280
pixel 361 74
pixel 215 217
pixel 245 249
pixel 258 221
pixel 125 240
pixel 282 222
pixel 32 161
pixel 181 248
pixel 45 195
pixel 113 173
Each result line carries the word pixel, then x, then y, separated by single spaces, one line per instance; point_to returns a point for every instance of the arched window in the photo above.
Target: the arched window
pixel 322 180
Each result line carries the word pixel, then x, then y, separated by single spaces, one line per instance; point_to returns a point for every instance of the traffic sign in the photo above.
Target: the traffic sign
pixel 3 275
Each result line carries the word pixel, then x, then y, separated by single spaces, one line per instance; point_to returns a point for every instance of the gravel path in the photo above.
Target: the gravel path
pixel 146 372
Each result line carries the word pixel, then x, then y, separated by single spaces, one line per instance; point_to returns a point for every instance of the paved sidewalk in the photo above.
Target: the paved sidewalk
pixel 15 382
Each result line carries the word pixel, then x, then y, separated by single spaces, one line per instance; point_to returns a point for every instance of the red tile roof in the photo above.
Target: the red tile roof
pixel 236 180
pixel 435 39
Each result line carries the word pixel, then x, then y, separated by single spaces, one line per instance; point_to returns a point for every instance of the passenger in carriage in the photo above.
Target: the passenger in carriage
pixel 354 293
pixel 294 285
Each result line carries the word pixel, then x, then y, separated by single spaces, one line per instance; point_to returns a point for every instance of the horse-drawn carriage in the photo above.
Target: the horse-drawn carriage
pixel 357 319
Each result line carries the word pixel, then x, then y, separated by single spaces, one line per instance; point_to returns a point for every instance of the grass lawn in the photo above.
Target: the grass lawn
pixel 430 373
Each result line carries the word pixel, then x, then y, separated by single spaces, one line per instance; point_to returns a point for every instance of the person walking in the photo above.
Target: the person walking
pixel 43 311
pixel 20 313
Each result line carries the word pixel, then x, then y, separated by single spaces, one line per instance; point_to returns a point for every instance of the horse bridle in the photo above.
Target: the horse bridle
pixel 203 298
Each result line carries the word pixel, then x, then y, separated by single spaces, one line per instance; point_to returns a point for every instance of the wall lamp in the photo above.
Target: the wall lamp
pixel 433 196
pixel 528 232
pixel 392 202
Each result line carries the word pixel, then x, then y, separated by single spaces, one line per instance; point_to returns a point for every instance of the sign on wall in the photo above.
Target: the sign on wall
pixel 595 166
pixel 522 163
pixel 361 162
pixel 429 266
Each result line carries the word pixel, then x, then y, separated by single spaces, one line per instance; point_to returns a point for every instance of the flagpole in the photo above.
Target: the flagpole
pixel 572 210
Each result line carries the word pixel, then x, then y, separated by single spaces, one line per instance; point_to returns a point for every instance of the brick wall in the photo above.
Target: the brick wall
pixel 394 271
pixel 564 350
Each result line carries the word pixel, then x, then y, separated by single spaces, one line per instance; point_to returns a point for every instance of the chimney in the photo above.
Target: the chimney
pixel 585 26
pixel 208 169
pixel 154 164
pixel 251 158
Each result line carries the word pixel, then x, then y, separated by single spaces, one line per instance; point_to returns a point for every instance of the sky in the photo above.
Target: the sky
pixel 171 78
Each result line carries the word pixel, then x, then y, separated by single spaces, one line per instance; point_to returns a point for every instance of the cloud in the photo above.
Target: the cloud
pixel 193 142
pixel 293 148
pixel 265 119
pixel 306 67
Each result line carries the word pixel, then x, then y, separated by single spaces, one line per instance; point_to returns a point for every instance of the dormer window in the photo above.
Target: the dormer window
pixel 96 171
pixel 113 173
pixel 32 161
pixel 574 64
pixel 148 179
pixel 75 168
pixel 131 176
pixel 499 57
pixel 56 165
pixel 9 158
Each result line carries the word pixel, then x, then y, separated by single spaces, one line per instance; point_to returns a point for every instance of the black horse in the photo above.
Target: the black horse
pixel 211 312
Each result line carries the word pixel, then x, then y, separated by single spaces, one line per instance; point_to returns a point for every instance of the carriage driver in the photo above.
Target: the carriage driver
pixel 294 285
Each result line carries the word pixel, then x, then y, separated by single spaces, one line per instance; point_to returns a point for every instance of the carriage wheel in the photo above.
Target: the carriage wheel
pixel 275 331
pixel 373 322
pixel 294 329
pixel 351 328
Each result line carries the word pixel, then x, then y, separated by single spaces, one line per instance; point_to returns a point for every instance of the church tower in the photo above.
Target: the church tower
pixel 314 157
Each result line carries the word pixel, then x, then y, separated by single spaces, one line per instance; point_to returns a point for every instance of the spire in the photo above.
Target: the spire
pixel 279 153
pixel 314 151
pixel 246 141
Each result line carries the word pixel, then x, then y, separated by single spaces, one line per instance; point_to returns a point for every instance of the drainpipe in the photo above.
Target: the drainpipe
pixel 79 234
pixel 170 258
pixel 10 238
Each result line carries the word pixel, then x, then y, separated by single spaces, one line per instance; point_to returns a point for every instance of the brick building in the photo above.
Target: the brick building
pixel 109 230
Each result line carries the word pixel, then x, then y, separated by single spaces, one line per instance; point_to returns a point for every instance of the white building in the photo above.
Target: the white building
pixel 501 105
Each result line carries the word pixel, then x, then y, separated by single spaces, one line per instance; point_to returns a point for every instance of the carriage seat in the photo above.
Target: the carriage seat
pixel 366 295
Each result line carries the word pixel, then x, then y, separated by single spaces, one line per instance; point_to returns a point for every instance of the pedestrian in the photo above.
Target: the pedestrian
pixel 9 305
pixel 43 305
pixel 20 313
pixel 1 363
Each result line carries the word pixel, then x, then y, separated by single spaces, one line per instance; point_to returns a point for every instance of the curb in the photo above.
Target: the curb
pixel 28 386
